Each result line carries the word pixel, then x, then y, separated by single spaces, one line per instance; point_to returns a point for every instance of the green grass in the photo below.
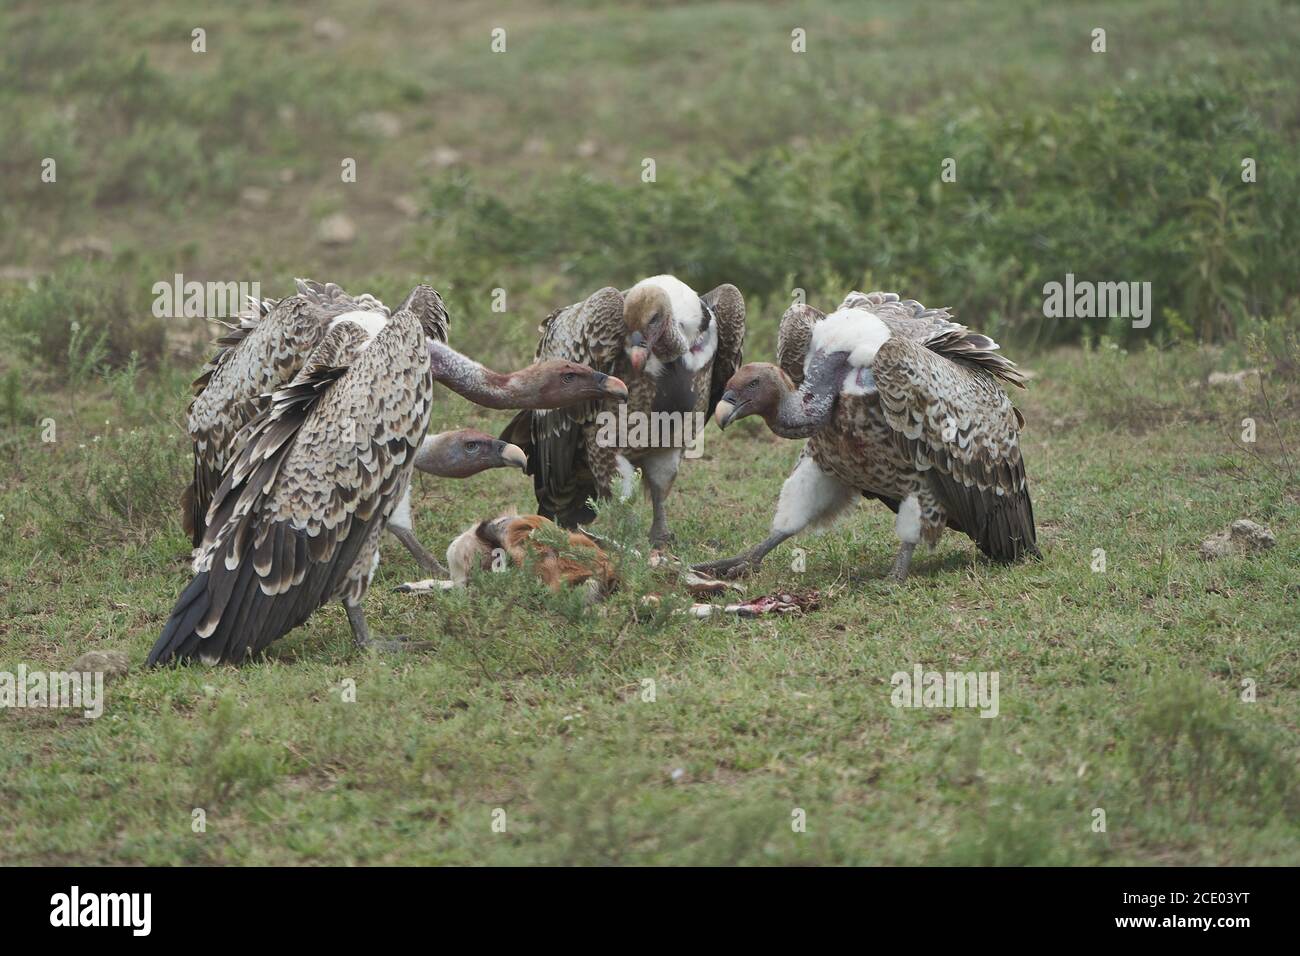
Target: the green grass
pixel 1119 690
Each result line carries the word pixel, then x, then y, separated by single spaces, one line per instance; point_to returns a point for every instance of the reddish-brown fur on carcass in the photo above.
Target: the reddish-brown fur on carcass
pixel 514 535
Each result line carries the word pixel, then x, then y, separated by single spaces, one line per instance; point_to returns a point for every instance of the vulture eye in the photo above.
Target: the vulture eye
pixel 569 376
pixel 471 446
pixel 753 383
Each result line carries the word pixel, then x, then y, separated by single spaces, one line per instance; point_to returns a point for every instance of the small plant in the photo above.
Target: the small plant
pixel 125 488
pixel 84 317
pixel 1192 752
pixel 87 350
pixel 11 399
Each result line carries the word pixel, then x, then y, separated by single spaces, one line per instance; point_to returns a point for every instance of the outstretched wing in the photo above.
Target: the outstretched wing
pixel 728 308
pixel 264 351
pixel 794 338
pixel 955 422
pixel 300 509
pixel 591 332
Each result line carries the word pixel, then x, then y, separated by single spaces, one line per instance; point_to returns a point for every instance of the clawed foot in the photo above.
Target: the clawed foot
pixel 425 586
pixel 662 539
pixel 433 567
pixel 730 569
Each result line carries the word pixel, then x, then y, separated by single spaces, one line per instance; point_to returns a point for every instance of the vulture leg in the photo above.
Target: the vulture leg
pixel 423 556
pixel 659 472
pixel 902 562
pixel 400 525
pixel 746 562
pixel 907 525
pixel 808 497
pixel 361 633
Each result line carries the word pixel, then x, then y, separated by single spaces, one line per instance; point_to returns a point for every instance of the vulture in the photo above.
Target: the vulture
pixel 898 403
pixel 269 346
pixel 675 349
pixel 321 468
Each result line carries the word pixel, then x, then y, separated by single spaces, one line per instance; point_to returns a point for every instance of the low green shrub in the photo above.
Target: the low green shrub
pixel 84 316
pixel 1141 186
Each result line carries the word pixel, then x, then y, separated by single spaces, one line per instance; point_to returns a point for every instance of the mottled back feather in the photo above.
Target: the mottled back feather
pixel 955 422
pixel 265 350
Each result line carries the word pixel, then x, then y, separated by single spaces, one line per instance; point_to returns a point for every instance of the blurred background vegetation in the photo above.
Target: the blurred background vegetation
pixel 775 171
pixel 522 170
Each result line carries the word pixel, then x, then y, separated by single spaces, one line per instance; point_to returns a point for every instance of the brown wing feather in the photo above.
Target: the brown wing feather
pixel 566 468
pixel 262 353
pixel 956 423
pixel 794 337
pixel 728 307
pixel 937 330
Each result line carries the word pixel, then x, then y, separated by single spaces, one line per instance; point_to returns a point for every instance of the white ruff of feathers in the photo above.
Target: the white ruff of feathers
pixel 859 333
pixel 372 323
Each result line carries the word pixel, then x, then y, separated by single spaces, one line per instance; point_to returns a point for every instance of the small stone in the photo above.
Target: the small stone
pixel 587 148
pixel 1241 537
pixel 1238 379
pixel 329 29
pixel 1251 536
pixel 678 775
pixel 337 230
pixel 442 157
pixel 109 663
pixel 256 197
pixel 407 206
pixel 287 175
pixel 381 124
pixel 89 246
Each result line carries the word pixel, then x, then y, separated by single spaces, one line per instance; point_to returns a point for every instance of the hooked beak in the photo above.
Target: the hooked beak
pixel 613 387
pixel 513 455
pixel 638 352
pixel 727 409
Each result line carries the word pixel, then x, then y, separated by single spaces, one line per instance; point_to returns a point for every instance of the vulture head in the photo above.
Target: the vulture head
pixel 843 346
pixel 555 383
pixel 756 389
pixel 792 411
pixel 655 329
pixel 465 452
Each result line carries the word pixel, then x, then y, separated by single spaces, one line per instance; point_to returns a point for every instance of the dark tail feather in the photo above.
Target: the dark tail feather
pixel 178 640
pixel 1009 534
